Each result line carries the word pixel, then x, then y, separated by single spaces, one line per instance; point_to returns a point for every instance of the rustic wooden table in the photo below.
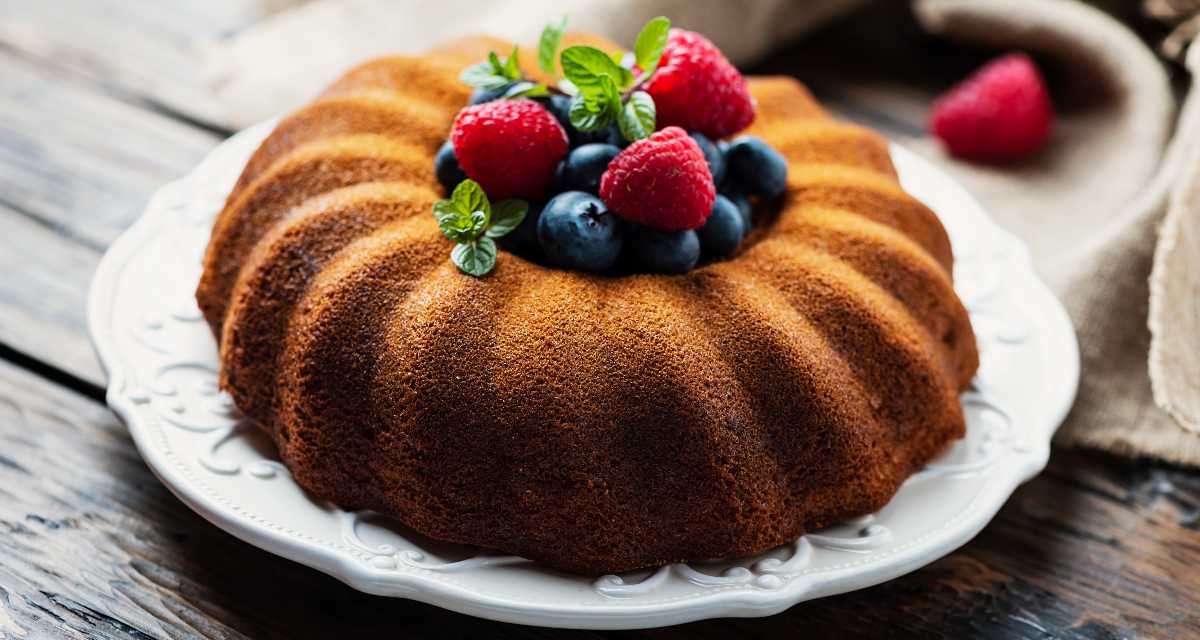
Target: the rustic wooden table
pixel 92 101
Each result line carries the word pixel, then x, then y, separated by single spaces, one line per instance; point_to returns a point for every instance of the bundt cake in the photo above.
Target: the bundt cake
pixel 593 423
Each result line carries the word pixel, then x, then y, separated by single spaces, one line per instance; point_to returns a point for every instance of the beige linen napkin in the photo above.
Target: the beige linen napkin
pixel 1090 209
pixel 1090 206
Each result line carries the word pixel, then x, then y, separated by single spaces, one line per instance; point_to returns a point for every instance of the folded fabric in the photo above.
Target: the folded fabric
pixel 1089 207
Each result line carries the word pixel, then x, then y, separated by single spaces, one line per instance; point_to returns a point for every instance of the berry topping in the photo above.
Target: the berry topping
pixel 585 165
pixel 756 168
pixel 723 232
pixel 510 147
pixel 445 165
pixel 666 251
pixel 745 209
pixel 1000 113
pixel 661 182
pixel 618 191
pixel 577 231
pixel 712 155
pixel 696 88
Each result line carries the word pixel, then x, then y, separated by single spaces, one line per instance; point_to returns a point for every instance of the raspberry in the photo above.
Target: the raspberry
pixel 662 182
pixel 1000 113
pixel 510 147
pixel 696 88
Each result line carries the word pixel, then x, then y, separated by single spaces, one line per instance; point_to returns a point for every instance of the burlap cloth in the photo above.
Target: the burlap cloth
pixel 1111 209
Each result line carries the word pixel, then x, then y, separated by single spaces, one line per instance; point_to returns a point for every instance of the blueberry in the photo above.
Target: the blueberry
pixel 722 233
pixel 560 107
pixel 523 240
pixel 615 138
pixel 712 155
pixel 449 173
pixel 557 180
pixel 584 166
pixel 756 167
pixel 577 231
pixel 666 251
pixel 481 95
pixel 745 210
pixel 580 138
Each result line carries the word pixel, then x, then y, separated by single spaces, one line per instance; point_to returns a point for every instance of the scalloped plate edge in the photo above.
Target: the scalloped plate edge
pixel 619 615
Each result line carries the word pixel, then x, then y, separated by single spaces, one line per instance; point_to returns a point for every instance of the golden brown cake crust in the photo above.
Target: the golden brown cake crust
pixel 596 424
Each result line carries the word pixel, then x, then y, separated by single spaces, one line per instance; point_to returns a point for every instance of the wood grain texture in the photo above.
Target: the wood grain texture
pixel 82 161
pixel 77 167
pixel 149 52
pixel 92 545
pixel 42 302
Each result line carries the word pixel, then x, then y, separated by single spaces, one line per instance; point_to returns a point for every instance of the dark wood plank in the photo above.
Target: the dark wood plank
pixel 76 168
pixel 42 297
pixel 1093 548
pixel 92 545
pixel 144 51
pixel 82 161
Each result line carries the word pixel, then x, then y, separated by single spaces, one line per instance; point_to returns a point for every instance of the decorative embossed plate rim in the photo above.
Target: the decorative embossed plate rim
pixel 161 363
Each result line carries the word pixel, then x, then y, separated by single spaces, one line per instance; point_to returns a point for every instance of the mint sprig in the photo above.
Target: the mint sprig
pixel 604 88
pixel 636 120
pixel 584 66
pixel 493 73
pixel 469 219
pixel 606 91
pixel 651 41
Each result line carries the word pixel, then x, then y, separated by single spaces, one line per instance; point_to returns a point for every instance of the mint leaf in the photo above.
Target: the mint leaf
pixel 465 214
pixel 476 258
pixel 637 117
pixel 610 95
pixel 512 68
pixel 484 76
pixel 567 87
pixel 527 90
pixel 650 43
pixel 454 224
pixel 584 119
pixel 468 197
pixel 447 215
pixel 549 43
pixel 584 66
pixel 479 222
pixel 597 109
pixel 506 215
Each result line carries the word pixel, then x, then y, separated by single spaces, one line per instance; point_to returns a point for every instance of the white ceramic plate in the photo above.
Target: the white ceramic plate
pixel 162 366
